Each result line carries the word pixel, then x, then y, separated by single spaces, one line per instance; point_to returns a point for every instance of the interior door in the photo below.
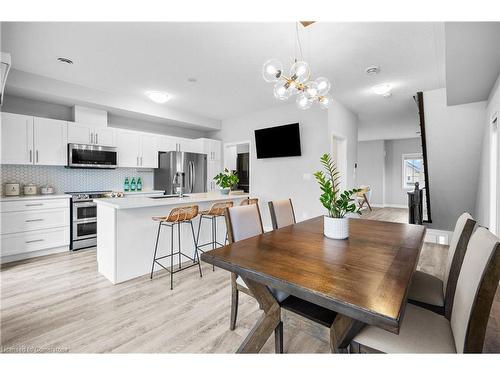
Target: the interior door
pixel 16 139
pixel 50 139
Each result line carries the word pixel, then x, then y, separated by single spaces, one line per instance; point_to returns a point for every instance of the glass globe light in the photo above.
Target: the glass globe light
pixel 300 72
pixel 311 90
pixel 303 102
pixel 325 101
pixel 282 90
pixel 323 85
pixel 271 70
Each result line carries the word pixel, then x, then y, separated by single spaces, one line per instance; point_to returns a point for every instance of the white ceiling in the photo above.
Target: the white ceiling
pixel 226 58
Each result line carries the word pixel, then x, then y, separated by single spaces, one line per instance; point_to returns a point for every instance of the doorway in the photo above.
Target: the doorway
pixel 237 158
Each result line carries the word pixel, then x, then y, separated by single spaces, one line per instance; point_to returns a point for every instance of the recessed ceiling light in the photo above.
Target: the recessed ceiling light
pixel 65 60
pixel 192 79
pixel 158 96
pixel 372 70
pixel 383 89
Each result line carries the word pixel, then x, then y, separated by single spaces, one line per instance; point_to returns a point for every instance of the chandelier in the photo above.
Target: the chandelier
pixel 297 82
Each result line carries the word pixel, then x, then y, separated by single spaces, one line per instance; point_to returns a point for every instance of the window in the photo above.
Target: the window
pixel 413 171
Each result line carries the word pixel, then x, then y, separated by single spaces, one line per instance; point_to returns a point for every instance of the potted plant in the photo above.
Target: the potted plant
pixel 338 203
pixel 226 180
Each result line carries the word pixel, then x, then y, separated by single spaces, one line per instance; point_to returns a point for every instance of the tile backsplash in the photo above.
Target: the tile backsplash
pixel 66 179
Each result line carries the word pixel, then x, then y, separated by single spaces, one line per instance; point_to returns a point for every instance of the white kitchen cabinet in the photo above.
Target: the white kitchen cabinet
pixel 213 169
pixel 16 139
pixel 166 144
pixel 135 149
pixel 213 148
pixel 149 151
pixel 33 140
pixel 90 135
pixel 49 141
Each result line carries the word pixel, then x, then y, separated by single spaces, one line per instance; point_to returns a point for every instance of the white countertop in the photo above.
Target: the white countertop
pixel 137 201
pixel 136 192
pixel 33 197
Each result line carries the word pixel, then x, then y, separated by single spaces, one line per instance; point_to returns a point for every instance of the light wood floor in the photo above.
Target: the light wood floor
pixel 60 303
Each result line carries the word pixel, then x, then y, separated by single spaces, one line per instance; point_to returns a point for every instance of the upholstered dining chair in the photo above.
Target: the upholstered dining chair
pixel 282 213
pixel 437 294
pixel 244 222
pixel 364 196
pixel 423 331
pixel 248 201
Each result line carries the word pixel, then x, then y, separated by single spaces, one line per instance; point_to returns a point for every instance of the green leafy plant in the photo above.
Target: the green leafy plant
pixel 226 179
pixel 336 202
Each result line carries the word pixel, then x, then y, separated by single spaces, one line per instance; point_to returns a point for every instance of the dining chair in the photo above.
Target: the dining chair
pixel 244 222
pixel 437 294
pixel 282 213
pixel 248 201
pixel 423 331
pixel 363 197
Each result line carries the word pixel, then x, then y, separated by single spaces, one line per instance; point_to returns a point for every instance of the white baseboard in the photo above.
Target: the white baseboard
pixel 33 254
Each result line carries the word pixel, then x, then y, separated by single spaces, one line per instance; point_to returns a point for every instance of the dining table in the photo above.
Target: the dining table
pixel 362 280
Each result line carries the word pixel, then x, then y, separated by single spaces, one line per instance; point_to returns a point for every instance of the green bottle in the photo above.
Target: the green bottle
pixel 126 185
pixel 132 184
pixel 139 184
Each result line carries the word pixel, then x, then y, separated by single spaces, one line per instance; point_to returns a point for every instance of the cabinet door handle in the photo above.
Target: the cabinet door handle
pixel 141 160
pixel 96 139
pixel 34 204
pixel 40 240
pixel 32 220
pixel 31 156
pixel 137 161
pixel 37 156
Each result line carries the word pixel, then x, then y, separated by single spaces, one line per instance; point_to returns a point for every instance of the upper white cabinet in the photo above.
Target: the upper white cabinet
pixel 86 134
pixel 213 148
pixel 136 149
pixel 17 139
pixel 33 140
pixel 166 143
pixel 50 141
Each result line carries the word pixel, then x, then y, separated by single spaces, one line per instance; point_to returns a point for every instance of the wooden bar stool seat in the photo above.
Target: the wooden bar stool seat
pixel 176 217
pixel 217 210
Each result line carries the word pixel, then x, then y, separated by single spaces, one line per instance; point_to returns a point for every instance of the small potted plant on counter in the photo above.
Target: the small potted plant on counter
pixel 338 204
pixel 226 180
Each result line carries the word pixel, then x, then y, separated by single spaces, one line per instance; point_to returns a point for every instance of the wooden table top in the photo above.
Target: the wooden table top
pixel 365 277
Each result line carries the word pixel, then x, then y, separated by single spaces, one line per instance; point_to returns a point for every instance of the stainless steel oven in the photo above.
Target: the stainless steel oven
pixel 84 219
pixel 91 156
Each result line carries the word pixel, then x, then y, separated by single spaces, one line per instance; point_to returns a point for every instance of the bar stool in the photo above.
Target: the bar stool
pixel 249 201
pixel 217 210
pixel 176 217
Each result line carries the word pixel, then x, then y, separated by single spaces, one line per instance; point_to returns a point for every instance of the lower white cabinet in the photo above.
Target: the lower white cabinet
pixel 33 226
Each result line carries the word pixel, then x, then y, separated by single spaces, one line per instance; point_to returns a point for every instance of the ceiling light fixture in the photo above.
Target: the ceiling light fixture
pixel 65 60
pixel 192 79
pixel 383 89
pixel 297 82
pixel 373 70
pixel 158 96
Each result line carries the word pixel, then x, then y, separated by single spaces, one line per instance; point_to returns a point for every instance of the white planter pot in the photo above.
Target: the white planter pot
pixel 337 229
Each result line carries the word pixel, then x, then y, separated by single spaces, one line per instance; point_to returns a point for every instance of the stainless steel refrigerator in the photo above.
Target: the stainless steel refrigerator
pixel 176 167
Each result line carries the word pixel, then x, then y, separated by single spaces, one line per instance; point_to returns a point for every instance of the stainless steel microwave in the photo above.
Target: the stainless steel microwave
pixel 91 156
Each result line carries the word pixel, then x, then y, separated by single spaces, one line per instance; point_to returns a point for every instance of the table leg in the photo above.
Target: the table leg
pixel 342 332
pixel 270 321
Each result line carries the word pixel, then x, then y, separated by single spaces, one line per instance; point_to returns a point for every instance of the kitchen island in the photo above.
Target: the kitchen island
pixel 126 234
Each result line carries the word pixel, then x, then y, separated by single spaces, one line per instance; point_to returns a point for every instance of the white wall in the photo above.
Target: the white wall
pixel 395 195
pixel 344 123
pixel 291 177
pixel 454 137
pixel 396 127
pixel 371 168
pixel 483 205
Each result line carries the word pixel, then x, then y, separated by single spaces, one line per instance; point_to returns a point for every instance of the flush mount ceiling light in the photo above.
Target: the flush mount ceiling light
pixel 158 96
pixel 372 70
pixel 192 79
pixel 65 60
pixel 383 89
pixel 298 81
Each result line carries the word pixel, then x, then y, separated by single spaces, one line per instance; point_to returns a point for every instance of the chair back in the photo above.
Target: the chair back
pixel 182 213
pixel 243 222
pixel 282 213
pixel 248 201
pixel 218 208
pixel 456 252
pixel 476 287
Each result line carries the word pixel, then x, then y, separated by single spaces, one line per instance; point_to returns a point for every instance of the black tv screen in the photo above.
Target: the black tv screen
pixel 278 141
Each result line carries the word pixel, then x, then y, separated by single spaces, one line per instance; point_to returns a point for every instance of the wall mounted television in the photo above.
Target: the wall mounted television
pixel 278 141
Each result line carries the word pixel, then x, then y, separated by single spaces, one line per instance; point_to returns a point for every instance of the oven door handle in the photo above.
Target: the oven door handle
pixel 84 204
pixel 85 221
